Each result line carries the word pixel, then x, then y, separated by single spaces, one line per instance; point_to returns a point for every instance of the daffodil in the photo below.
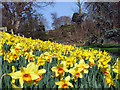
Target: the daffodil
pixel 30 56
pixel 64 83
pixel 39 73
pixel 40 61
pixel 15 54
pixel 9 57
pixel 76 73
pixel 25 74
pixel 17 47
pixel 116 68
pixel 102 63
pixel 47 56
pixel 69 61
pixel 60 57
pixel 109 80
pixel 91 63
pixel 60 69
pixel 105 53
pixel 82 66
pixel 106 71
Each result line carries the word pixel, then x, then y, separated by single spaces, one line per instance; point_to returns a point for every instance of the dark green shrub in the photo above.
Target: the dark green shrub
pixel 36 35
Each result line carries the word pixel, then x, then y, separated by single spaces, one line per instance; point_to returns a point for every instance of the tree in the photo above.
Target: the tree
pixel 54 15
pixel 13 13
pixel 106 15
pixel 63 20
pixel 33 22
pixel 79 16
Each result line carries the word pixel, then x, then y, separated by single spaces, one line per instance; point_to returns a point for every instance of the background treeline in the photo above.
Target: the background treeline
pixel 98 23
pixel 94 22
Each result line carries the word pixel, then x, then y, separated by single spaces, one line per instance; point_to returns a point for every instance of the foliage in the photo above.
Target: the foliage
pixel 103 14
pixel 36 35
pixel 77 18
pixel 94 44
pixel 113 34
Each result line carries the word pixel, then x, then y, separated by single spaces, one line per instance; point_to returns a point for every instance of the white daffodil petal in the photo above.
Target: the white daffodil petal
pixel 71 71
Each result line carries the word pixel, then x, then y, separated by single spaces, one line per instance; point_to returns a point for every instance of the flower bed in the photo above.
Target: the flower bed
pixel 28 63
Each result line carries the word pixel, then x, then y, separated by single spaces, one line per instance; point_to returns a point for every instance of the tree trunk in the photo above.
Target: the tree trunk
pixel 17 24
pixel 79 5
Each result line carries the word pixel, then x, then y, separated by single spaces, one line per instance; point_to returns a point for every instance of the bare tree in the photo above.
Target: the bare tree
pixel 54 15
pixel 13 12
pixel 63 20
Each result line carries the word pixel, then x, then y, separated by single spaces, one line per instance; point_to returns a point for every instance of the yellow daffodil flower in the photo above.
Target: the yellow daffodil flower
pixel 25 74
pixel 60 69
pixel 82 66
pixel 64 83
pixel 106 71
pixel 91 63
pixel 109 80
pixel 76 73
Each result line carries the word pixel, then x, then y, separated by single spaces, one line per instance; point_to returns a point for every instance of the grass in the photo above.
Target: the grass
pixel 111 45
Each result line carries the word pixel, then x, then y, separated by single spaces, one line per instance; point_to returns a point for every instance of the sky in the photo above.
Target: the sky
pixel 61 8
